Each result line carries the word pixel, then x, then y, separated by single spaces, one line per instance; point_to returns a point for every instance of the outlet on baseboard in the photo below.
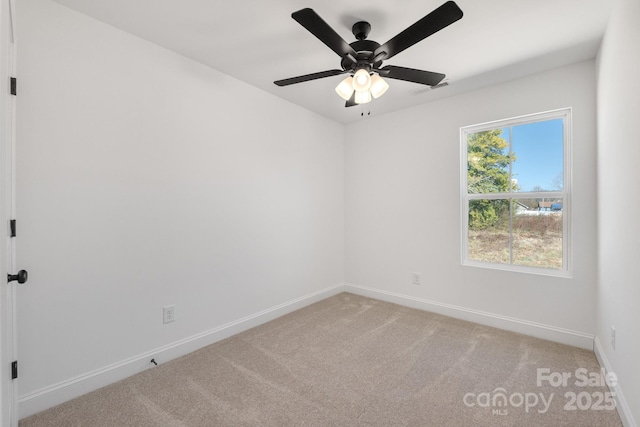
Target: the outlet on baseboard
pixel 415 278
pixel 613 337
pixel 168 314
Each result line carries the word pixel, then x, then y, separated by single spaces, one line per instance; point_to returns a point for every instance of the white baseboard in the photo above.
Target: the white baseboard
pixel 538 330
pixel 55 394
pixel 47 397
pixel 621 403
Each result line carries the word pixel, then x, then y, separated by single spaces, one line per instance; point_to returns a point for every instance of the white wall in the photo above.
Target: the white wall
pixel 403 209
pixel 619 200
pixel 146 179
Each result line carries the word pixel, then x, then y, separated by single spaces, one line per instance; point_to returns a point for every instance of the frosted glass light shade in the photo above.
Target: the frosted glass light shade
pixel 361 80
pixel 345 88
pixel 378 86
pixel 363 96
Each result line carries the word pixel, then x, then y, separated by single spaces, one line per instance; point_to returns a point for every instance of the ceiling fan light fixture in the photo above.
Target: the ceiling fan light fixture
pixel 361 80
pixel 345 88
pixel 378 86
pixel 362 97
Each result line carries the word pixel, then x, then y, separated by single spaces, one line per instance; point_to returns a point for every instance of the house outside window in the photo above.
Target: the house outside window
pixel 515 193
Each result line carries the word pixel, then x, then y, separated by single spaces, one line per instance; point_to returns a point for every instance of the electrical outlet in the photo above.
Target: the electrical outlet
pixel 168 314
pixel 415 278
pixel 613 337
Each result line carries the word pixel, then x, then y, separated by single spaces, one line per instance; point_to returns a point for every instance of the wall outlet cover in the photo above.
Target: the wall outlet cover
pixel 168 314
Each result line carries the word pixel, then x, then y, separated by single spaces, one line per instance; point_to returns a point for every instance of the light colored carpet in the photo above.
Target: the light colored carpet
pixel 350 361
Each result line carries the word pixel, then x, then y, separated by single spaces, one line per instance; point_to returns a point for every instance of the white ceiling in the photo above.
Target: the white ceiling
pixel 258 42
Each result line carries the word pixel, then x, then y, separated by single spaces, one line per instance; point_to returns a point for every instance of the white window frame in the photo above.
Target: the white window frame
pixel 567 261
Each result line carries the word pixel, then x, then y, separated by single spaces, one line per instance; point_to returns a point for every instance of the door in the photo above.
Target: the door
pixel 8 386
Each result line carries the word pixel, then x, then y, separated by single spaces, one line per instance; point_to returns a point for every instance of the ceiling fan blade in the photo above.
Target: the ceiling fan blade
pixel 310 20
pixel 308 77
pixel 412 75
pixel 351 101
pixel 440 18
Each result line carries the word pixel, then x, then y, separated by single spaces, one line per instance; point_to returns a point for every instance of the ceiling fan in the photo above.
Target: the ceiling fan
pixel 363 58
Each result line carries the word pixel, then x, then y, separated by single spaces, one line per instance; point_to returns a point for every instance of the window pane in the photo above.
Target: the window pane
pixel 488 162
pixel 537 233
pixel 538 150
pixel 489 231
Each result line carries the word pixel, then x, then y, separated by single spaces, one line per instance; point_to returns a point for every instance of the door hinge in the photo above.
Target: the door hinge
pixel 12 226
pixel 14 369
pixel 14 86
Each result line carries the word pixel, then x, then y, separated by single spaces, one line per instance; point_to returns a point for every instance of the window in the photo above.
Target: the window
pixel 516 185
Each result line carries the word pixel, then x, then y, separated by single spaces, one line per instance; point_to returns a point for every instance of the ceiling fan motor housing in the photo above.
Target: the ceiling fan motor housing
pixel 361 30
pixel 364 58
